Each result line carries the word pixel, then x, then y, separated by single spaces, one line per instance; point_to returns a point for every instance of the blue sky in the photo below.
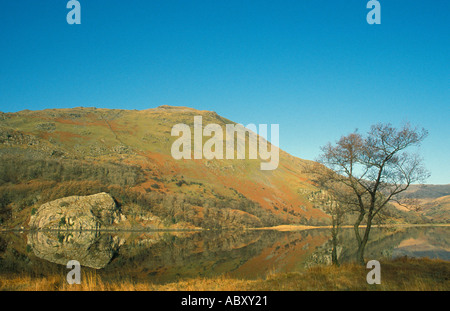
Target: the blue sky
pixel 314 67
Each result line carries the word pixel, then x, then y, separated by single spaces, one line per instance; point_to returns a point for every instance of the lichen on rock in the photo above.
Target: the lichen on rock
pixel 77 213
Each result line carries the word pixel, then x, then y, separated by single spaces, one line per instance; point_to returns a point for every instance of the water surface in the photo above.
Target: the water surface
pixel 169 256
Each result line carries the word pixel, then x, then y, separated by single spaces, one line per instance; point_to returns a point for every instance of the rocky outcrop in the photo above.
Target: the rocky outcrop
pixel 10 137
pixel 77 213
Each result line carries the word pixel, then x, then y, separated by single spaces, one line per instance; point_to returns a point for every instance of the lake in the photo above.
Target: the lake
pixel 169 256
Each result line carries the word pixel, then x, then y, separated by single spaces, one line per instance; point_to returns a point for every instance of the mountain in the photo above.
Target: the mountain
pixel 55 153
pixel 427 191
pixel 433 200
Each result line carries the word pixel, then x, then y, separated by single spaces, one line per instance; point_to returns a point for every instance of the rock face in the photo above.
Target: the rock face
pixel 77 213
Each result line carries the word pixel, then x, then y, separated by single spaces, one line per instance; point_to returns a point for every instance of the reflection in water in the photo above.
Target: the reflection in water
pixel 163 256
pixel 420 246
pixel 87 247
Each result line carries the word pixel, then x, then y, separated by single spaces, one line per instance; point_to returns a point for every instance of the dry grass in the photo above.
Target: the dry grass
pixel 398 275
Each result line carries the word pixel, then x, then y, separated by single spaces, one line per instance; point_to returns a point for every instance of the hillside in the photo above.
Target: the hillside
pixel 54 153
pixel 427 191
pixel 434 201
pixel 437 209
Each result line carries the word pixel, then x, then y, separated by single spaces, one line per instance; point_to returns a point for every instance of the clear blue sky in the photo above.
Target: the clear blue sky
pixel 313 66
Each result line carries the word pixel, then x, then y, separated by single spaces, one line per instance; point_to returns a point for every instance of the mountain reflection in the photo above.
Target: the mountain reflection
pixel 168 256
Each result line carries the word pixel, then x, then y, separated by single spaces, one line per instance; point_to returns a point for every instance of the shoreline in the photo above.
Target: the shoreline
pixel 100 230
pixel 286 228
pixel 281 228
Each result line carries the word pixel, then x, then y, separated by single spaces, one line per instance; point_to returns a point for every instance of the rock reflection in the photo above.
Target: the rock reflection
pixel 87 247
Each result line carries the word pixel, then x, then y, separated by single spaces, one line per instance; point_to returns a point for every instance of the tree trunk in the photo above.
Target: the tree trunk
pixel 334 241
pixel 334 257
pixel 363 242
pixel 360 252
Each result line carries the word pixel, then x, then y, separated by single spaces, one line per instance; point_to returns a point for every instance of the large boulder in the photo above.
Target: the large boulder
pixel 77 213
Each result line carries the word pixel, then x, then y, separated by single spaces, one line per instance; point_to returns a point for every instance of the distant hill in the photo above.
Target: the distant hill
pixel 434 201
pixel 427 191
pixel 438 209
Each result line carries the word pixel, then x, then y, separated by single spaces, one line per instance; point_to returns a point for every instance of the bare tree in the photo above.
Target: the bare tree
pixel 335 199
pixel 374 168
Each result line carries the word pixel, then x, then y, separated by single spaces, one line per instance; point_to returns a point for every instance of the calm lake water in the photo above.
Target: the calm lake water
pixel 169 256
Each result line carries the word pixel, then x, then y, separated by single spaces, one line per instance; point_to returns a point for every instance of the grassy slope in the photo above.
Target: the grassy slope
pixel 438 209
pixel 434 201
pixel 143 138
pixel 427 191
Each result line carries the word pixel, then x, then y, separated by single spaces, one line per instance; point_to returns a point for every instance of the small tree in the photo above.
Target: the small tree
pixel 374 169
